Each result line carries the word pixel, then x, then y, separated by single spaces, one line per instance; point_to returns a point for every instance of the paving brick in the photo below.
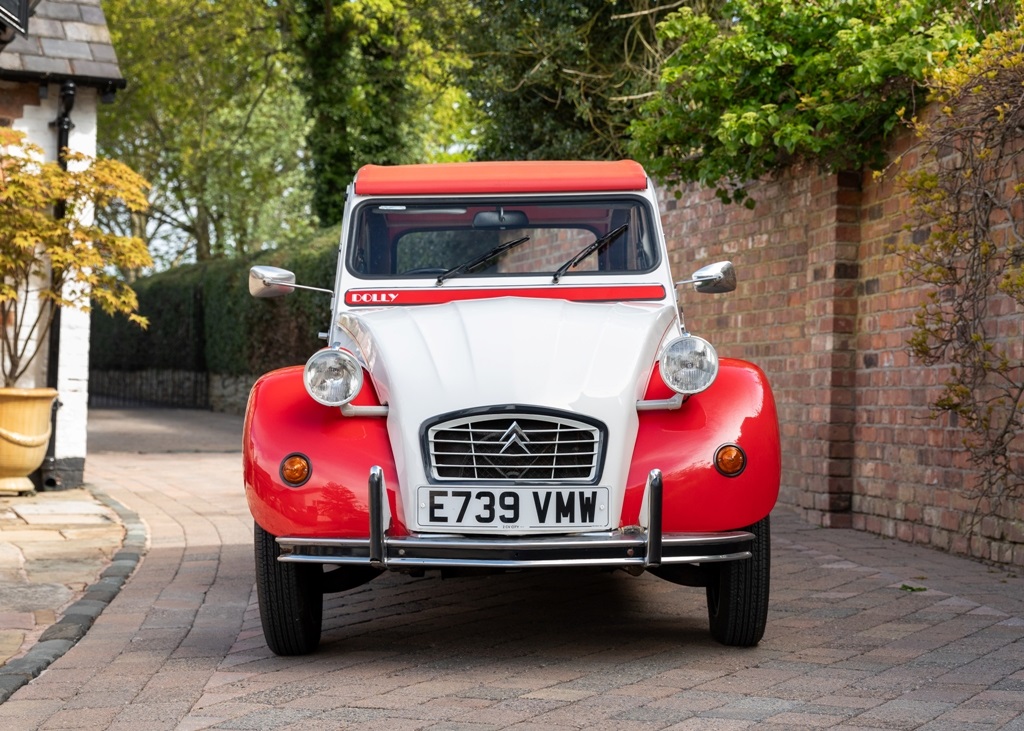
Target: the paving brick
pixel 81 719
pixel 711 724
pixel 903 713
pixel 795 720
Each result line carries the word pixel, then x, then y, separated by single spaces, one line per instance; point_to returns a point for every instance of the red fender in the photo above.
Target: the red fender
pixel 282 419
pixel 738 409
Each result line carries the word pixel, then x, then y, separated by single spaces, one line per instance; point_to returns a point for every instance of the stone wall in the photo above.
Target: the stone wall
pixel 229 394
pixel 824 308
pixel 151 387
pixel 171 388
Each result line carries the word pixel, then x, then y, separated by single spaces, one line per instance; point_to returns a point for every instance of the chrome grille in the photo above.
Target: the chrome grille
pixel 532 447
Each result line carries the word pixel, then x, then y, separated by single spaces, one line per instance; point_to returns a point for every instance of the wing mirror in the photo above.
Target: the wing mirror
pixel 714 278
pixel 267 281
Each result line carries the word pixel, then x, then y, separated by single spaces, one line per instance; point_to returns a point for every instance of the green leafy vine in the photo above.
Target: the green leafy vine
pixel 771 83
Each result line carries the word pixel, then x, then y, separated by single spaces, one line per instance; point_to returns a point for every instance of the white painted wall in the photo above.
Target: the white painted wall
pixel 73 371
pixel 35 123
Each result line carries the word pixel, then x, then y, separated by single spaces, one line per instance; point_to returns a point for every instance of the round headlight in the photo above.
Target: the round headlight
pixel 333 377
pixel 688 364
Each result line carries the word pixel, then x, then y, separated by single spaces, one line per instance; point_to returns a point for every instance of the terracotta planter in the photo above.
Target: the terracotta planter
pixel 24 435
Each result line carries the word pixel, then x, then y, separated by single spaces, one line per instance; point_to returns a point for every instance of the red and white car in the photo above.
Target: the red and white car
pixel 508 384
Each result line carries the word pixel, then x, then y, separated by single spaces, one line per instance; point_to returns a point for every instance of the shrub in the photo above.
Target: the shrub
pixel 202 318
pixel 771 83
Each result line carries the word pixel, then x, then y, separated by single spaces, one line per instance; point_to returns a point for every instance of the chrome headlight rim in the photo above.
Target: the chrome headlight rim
pixel 709 373
pixel 315 377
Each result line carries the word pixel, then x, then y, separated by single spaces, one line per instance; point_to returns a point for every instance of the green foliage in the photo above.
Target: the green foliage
pixel 770 83
pixel 51 261
pixel 211 117
pixel 202 317
pixel 173 299
pixel 970 200
pixel 562 79
pixel 377 79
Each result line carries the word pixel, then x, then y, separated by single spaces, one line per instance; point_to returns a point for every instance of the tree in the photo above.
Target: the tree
pixel 564 78
pixel 771 83
pixel 48 262
pixel 377 76
pixel 970 201
pixel 212 119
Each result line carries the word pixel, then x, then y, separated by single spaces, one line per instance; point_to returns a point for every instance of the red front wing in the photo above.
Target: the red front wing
pixel 282 420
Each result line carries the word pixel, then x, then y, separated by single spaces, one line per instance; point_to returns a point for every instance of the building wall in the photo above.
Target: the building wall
pixel 13 98
pixel 824 308
pixel 73 372
pixel 22 109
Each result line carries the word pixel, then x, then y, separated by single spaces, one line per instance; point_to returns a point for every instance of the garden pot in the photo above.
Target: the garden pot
pixel 24 435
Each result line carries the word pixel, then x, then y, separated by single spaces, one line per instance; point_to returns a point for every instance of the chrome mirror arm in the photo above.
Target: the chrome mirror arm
pixel 271 282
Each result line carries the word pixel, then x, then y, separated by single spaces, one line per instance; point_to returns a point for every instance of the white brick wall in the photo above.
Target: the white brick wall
pixel 73 371
pixel 73 374
pixel 35 123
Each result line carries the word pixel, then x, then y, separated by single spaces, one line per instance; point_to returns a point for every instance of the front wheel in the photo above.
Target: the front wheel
pixel 290 597
pixel 738 595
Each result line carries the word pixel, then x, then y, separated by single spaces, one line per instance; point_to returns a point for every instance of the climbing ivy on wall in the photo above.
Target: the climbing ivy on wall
pixel 970 198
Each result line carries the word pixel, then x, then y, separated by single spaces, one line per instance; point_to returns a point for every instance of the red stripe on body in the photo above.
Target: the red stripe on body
pixel 438 295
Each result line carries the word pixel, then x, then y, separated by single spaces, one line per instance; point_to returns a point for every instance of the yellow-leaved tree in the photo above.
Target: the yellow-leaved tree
pixel 49 261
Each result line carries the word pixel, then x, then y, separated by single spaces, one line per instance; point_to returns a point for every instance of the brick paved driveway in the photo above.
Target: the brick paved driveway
pixel 863 633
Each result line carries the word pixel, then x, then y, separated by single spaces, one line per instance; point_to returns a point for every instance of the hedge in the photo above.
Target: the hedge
pixel 202 318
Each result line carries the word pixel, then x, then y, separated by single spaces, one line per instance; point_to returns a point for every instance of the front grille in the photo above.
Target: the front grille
pixel 523 446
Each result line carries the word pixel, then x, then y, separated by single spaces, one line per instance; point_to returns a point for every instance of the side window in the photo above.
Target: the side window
pixel 640 256
pixel 371 251
pixel 360 256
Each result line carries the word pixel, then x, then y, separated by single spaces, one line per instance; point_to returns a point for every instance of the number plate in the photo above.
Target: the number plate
pixel 518 509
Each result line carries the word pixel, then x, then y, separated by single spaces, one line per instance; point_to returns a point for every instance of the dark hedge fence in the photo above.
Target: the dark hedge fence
pixel 202 318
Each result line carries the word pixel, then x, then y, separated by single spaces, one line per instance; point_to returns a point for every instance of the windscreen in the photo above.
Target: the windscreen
pixel 518 237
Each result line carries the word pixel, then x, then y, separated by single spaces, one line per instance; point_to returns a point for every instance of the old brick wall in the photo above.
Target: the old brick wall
pixel 14 97
pixel 823 307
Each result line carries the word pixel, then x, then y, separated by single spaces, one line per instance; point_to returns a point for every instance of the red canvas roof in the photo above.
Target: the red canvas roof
pixel 468 178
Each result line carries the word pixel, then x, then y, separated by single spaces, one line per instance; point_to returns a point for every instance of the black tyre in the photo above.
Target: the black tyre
pixel 738 596
pixel 290 597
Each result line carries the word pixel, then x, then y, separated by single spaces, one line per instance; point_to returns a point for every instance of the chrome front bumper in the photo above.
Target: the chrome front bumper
pixel 640 546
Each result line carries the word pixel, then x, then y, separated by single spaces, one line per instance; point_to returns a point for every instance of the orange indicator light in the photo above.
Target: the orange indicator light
pixel 730 460
pixel 295 469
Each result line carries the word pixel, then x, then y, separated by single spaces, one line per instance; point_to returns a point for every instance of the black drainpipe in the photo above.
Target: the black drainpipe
pixel 50 478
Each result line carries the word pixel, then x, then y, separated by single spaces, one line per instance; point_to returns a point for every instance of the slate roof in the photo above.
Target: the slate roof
pixel 67 39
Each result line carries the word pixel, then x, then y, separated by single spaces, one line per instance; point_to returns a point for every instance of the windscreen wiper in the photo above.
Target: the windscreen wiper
pixel 477 261
pixel 597 245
